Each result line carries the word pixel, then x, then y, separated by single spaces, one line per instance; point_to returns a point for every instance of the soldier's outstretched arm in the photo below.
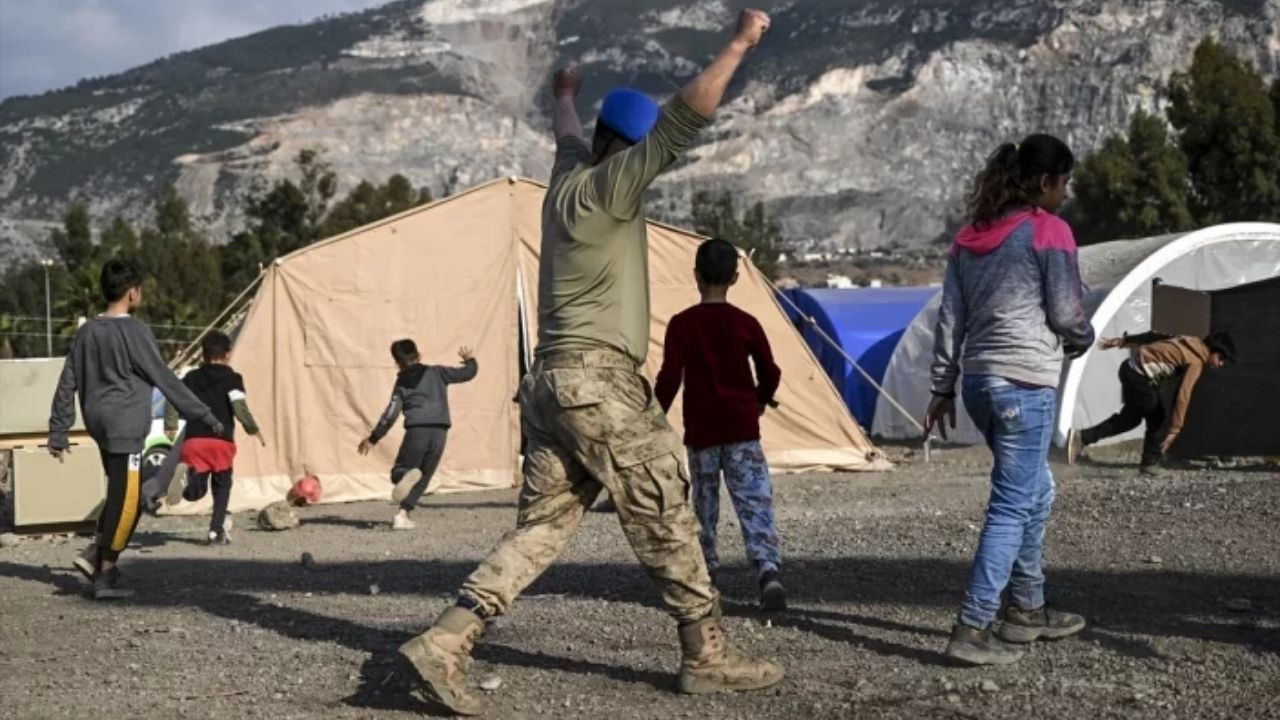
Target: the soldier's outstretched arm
pixel 619 183
pixel 705 91
pixel 565 86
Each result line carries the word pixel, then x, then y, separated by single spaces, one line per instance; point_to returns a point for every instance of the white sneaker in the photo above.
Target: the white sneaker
pixel 1074 445
pixel 177 484
pixel 85 561
pixel 405 486
pixel 402 522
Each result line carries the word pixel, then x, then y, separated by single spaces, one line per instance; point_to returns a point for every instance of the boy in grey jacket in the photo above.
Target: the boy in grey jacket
pixel 112 366
pixel 421 393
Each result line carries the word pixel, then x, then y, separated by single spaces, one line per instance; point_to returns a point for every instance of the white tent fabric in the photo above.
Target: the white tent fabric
pixel 1118 276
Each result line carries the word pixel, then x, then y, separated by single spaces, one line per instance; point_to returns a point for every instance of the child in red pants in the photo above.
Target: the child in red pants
pixel 208 453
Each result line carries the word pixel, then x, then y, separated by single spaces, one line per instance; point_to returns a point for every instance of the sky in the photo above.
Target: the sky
pixel 49 44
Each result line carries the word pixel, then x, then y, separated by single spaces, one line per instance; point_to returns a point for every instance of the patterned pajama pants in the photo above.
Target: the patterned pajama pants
pixel 746 474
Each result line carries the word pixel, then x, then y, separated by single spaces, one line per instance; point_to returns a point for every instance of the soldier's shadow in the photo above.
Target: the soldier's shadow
pixel 835 627
pixel 384 684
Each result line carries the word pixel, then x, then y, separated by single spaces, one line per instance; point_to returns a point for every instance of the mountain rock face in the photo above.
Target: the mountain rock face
pixel 857 122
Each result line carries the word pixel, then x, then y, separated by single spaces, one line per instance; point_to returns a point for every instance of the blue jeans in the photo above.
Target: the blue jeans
pixel 1017 422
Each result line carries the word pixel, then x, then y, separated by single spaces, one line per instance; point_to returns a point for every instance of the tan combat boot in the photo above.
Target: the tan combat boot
pixel 441 657
pixel 710 664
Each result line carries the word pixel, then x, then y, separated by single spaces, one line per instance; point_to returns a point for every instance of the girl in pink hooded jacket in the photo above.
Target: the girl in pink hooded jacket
pixel 1011 310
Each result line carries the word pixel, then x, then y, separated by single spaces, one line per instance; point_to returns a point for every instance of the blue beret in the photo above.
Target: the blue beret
pixel 629 113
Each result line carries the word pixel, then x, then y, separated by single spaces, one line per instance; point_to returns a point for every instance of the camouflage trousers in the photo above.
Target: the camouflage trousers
pixel 590 421
pixel 746 475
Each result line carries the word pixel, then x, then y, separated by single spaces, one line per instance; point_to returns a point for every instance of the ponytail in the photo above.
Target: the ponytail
pixel 1011 178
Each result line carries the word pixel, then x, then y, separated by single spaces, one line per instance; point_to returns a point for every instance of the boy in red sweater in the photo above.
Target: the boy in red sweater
pixel 711 348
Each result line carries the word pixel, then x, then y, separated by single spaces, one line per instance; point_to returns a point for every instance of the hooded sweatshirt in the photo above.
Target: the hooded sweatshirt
pixel 222 389
pixel 1012 303
pixel 421 392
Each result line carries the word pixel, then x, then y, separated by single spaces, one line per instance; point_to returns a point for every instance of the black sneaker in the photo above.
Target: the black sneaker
pixel 773 597
pixel 108 585
pixel 979 647
pixel 1152 470
pixel 1024 626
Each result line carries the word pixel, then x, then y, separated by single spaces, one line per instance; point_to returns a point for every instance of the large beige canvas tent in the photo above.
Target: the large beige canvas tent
pixel 463 271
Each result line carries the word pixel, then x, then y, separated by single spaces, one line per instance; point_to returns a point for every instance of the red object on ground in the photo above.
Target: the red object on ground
pixel 305 491
pixel 208 455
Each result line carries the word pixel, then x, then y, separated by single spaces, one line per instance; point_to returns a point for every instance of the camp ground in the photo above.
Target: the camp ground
pixel 1218 278
pixel 312 346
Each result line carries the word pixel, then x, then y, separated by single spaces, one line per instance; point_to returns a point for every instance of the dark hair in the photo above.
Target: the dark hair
pixel 215 346
pixel 602 139
pixel 1012 175
pixel 404 351
pixel 716 261
pixel 1220 342
pixel 118 277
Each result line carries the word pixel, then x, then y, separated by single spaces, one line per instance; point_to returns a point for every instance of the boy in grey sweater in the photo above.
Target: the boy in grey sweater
pixel 422 394
pixel 113 365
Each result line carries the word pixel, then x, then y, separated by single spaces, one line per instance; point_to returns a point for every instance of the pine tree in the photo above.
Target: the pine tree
pixel 183 287
pixel 1227 129
pixel 1220 164
pixel 1134 186
pixel 755 234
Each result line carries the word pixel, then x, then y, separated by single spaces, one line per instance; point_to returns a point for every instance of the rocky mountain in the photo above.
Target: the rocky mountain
pixel 858 122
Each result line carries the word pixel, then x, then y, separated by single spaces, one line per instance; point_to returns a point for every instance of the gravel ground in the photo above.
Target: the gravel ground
pixel 1179 576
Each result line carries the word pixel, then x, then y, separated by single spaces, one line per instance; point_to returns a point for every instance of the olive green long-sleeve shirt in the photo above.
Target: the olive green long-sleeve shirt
pixel 593 281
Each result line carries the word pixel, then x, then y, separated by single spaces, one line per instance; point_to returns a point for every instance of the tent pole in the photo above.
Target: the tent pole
pixel 836 346
pixel 186 352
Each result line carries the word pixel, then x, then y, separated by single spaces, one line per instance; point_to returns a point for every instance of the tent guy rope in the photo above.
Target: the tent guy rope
pixel 836 346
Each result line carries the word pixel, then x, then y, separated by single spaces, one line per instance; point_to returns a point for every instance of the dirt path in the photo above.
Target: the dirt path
pixel 1180 578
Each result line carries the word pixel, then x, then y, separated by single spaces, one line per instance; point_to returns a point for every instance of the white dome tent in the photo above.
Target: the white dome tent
pixel 1119 278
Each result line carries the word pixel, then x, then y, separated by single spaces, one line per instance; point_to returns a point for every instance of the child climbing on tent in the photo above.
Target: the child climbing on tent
pixel 711 347
pixel 421 393
pixel 1012 306
pixel 208 453
pixel 1156 359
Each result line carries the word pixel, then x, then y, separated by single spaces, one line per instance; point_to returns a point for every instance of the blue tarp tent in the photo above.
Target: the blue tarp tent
pixel 866 323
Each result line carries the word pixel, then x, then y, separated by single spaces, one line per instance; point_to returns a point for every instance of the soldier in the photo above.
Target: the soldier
pixel 589 415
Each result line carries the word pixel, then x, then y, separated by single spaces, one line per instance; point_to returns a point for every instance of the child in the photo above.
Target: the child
pixel 711 347
pixel 112 366
pixel 421 392
pixel 207 453
pixel 1157 359
pixel 1011 305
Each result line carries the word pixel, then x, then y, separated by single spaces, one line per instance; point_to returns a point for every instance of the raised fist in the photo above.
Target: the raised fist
pixel 567 81
pixel 752 25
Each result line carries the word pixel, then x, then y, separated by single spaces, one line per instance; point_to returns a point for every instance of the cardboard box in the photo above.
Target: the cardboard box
pixel 48 492
pixel 26 393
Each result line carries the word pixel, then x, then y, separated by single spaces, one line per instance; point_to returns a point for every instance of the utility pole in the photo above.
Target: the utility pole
pixel 48 310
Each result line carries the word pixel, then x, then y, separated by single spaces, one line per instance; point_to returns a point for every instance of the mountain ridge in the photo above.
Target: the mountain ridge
pixel 857 125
